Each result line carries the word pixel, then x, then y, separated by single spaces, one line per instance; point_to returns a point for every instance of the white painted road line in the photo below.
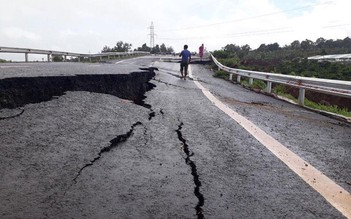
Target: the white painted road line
pixel 332 192
pixel 14 66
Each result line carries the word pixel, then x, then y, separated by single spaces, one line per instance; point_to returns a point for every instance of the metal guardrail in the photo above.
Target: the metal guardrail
pixel 49 53
pixel 334 87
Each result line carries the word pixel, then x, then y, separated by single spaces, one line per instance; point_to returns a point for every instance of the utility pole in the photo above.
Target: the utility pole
pixel 152 35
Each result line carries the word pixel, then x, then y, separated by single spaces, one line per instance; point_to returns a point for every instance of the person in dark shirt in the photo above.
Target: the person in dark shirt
pixel 186 58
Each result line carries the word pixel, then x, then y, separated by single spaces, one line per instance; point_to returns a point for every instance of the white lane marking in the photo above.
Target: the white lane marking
pixel 120 61
pixel 332 192
pixel 15 66
pixel 128 60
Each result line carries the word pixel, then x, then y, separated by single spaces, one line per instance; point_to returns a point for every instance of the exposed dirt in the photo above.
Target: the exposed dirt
pixel 321 98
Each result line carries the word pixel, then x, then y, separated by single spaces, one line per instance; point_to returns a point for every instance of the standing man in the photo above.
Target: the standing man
pixel 186 58
pixel 201 51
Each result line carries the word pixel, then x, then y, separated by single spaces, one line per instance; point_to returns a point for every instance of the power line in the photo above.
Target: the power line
pixel 234 35
pixel 337 25
pixel 247 18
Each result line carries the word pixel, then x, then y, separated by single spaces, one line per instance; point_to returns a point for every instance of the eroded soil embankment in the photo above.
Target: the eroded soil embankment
pixel 325 99
pixel 17 92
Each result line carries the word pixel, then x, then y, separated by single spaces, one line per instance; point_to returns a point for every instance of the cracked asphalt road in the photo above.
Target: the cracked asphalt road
pixel 93 155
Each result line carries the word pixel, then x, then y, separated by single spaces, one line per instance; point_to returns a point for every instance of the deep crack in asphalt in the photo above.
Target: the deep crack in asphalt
pixel 114 143
pixel 14 116
pixel 192 165
pixel 124 137
pixel 17 92
pixel 152 114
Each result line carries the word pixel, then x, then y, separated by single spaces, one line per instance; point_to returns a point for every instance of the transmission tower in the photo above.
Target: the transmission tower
pixel 152 35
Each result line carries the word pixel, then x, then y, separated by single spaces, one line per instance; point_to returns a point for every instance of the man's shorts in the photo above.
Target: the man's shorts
pixel 184 65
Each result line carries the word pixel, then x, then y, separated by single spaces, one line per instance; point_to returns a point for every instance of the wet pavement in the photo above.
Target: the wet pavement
pixel 88 154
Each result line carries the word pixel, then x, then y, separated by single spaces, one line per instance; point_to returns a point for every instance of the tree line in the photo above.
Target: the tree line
pixel 290 59
pixel 126 47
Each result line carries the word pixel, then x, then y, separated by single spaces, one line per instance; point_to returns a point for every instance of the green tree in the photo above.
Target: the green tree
pixel 163 48
pixel 106 49
pixel 320 42
pixel 307 44
pixel 156 49
pixel 170 50
pixel 144 48
pixel 273 47
pixel 122 47
pixel 295 44
pixel 232 48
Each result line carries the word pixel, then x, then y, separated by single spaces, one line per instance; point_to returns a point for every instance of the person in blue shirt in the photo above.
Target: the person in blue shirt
pixel 186 58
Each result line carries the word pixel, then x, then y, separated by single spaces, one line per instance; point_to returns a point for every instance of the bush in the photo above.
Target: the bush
pixel 230 62
pixel 257 84
pixel 332 109
pixel 220 54
pixel 279 89
pixel 221 74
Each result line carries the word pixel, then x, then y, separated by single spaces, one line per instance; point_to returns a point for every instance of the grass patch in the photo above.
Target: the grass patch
pixel 279 90
pixel 332 109
pixel 257 84
pixel 221 74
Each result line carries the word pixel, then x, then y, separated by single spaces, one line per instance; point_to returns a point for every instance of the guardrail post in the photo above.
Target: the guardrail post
pixel 269 87
pixel 301 99
pixel 342 89
pixel 250 81
pixel 26 57
pixel 231 76
pixel 238 78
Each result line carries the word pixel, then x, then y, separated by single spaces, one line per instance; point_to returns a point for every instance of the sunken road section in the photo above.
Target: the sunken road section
pixel 17 92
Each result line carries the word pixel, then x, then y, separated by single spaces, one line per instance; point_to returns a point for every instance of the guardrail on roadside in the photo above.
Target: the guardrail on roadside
pixel 50 53
pixel 334 87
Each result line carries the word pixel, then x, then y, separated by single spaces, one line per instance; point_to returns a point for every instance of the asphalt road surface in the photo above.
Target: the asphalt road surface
pixel 87 154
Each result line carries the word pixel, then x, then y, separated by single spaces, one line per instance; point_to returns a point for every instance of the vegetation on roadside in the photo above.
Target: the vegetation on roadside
pixel 257 84
pixel 292 60
pixel 318 106
pixel 280 90
pixel 332 108
pixel 221 74
pixel 2 61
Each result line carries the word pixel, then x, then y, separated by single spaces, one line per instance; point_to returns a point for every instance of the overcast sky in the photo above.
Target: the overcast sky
pixel 85 26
